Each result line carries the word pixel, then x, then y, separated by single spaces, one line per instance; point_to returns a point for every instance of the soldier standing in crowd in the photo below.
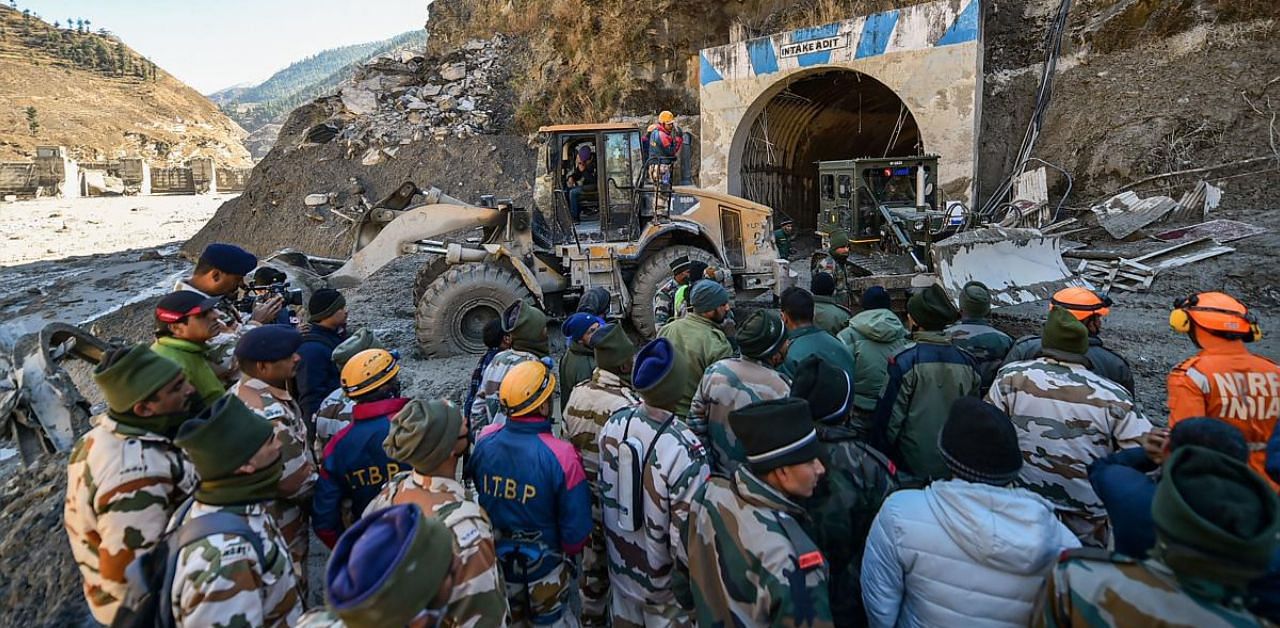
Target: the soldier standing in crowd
pixel 185 323
pixel 805 338
pixel 857 481
pixel 734 383
pixel 1088 308
pixel 698 335
pixel 394 567
pixel 925 378
pixel 268 360
pixel 579 360
pixel 1224 380
pixel 317 375
pixel 1067 417
pixel 533 487
pixel 335 411
pixel 431 437
pixel 750 561
pixel 829 314
pixel 222 579
pixel 873 336
pixel 1216 529
pixel 697 272
pixel 495 341
pixel 836 263
pixel 355 465
pixel 664 299
pixel 527 326
pixel 125 478
pixel 974 334
pixel 591 403
pixel 220 273
pixel 650 467
pixel 782 236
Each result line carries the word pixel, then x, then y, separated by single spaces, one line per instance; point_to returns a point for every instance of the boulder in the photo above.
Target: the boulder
pixel 453 72
pixel 361 102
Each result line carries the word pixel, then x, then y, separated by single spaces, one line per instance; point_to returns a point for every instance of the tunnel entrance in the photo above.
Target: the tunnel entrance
pixel 829 114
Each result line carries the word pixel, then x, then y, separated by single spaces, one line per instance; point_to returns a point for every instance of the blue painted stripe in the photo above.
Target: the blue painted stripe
pixel 816 32
pixel 964 29
pixel 763 59
pixel 814 58
pixel 875 34
pixel 707 72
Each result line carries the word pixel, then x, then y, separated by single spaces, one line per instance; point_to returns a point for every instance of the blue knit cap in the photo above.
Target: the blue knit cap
pixel 577 325
pixel 876 298
pixel 229 258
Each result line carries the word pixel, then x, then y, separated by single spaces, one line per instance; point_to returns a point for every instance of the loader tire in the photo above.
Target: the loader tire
pixel 456 306
pixel 654 271
pixel 434 266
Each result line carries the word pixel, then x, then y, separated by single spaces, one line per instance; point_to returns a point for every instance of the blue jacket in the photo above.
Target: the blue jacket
pixel 1273 456
pixel 317 374
pixel 532 484
pixel 354 467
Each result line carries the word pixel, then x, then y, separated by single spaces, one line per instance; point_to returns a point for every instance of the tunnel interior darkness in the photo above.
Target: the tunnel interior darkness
pixel 834 114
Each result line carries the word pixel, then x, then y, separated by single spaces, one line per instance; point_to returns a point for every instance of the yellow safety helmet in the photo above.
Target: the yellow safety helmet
pixel 368 370
pixel 526 387
pixel 666 117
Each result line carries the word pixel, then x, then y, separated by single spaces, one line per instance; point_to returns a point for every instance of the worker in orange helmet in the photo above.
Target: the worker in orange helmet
pixel 1089 308
pixel 1224 380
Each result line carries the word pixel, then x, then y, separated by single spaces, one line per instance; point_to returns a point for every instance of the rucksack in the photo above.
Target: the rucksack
pixel 150 576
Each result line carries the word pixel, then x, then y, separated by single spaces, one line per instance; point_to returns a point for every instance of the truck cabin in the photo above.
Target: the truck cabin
pixel 857 195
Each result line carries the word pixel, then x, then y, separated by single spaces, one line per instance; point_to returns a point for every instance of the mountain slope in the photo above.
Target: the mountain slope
pixel 93 94
pixel 258 105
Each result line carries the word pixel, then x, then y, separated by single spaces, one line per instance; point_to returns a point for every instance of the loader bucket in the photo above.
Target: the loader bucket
pixel 1017 265
pixel 420 223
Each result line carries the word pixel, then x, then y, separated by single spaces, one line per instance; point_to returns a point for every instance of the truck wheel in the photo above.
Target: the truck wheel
pixel 456 306
pixel 432 268
pixel 654 271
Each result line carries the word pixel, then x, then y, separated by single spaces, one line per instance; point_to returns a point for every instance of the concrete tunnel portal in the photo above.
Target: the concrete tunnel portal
pixel 821 115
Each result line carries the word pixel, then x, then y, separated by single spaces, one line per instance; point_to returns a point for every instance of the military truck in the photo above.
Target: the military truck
pixel 632 228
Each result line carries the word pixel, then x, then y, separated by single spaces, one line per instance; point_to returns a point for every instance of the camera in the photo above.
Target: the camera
pixel 265 292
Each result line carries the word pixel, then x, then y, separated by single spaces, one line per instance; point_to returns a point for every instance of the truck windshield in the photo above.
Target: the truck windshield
pixel 893 186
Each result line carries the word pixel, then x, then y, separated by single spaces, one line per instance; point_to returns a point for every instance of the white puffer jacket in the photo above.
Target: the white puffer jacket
pixel 960 554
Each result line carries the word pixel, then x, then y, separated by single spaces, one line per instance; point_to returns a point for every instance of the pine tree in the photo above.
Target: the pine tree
pixel 33 125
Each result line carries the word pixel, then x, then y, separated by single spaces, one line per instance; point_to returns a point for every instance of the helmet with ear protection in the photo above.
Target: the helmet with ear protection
pixel 1217 313
pixel 1081 303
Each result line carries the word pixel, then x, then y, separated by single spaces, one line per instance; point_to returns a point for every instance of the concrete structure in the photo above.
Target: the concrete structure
pixel 54 173
pixel 901 82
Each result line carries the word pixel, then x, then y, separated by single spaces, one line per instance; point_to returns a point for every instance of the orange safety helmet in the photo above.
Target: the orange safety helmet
pixel 368 370
pixel 1082 303
pixel 1215 312
pixel 666 117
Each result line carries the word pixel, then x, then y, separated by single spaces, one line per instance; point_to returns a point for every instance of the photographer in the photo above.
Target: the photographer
pixel 264 280
pixel 220 272
pixel 317 374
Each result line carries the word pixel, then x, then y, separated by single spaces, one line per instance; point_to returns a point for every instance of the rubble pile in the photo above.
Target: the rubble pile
pixel 391 102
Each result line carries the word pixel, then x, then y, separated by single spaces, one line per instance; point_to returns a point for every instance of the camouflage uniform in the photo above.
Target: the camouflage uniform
pixel 846 501
pixel 642 562
pixel 1091 587
pixel 219 581
pixel 703 343
pixel 726 386
pixel 664 303
pixel 479 595
pixel 123 484
pixel 985 343
pixel 744 567
pixel 1102 360
pixel 1067 417
pixel 333 415
pixel 840 271
pixel 221 353
pixel 485 409
pixel 299 477
pixel 590 405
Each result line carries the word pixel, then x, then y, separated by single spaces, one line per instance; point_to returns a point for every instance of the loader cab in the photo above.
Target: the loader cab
pixel 862 196
pixel 610 208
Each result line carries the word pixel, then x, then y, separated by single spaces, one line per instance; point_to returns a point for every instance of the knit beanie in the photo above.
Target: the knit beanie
pixel 659 374
pixel 839 239
pixel 324 303
pixel 613 349
pixel 423 433
pixel 762 334
pixel 358 341
pixel 1216 519
pixel 979 443
pixel 222 438
pixel 775 433
pixel 876 298
pixel 975 300
pixel 822 284
pixel 133 377
pixel 1219 436
pixel 527 326
pixel 827 388
pixel 578 324
pixel 386 568
pixel 707 295
pixel 595 301
pixel 1063 333
pixel 931 308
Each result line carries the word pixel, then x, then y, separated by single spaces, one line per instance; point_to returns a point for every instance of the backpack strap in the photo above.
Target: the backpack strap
pixel 192 531
pixel 808 556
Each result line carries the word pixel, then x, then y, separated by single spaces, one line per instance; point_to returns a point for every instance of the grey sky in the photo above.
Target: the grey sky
pixel 213 44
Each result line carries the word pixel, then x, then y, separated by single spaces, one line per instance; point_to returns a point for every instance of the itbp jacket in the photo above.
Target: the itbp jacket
pixel 355 467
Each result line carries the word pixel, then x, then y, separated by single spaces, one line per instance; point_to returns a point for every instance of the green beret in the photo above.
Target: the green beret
pixel 975 299
pixel 223 437
pixel 931 308
pixel 839 239
pixel 133 378
pixel 423 433
pixel 762 334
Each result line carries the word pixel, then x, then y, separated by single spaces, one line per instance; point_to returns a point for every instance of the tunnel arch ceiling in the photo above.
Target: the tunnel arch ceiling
pixel 896 82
